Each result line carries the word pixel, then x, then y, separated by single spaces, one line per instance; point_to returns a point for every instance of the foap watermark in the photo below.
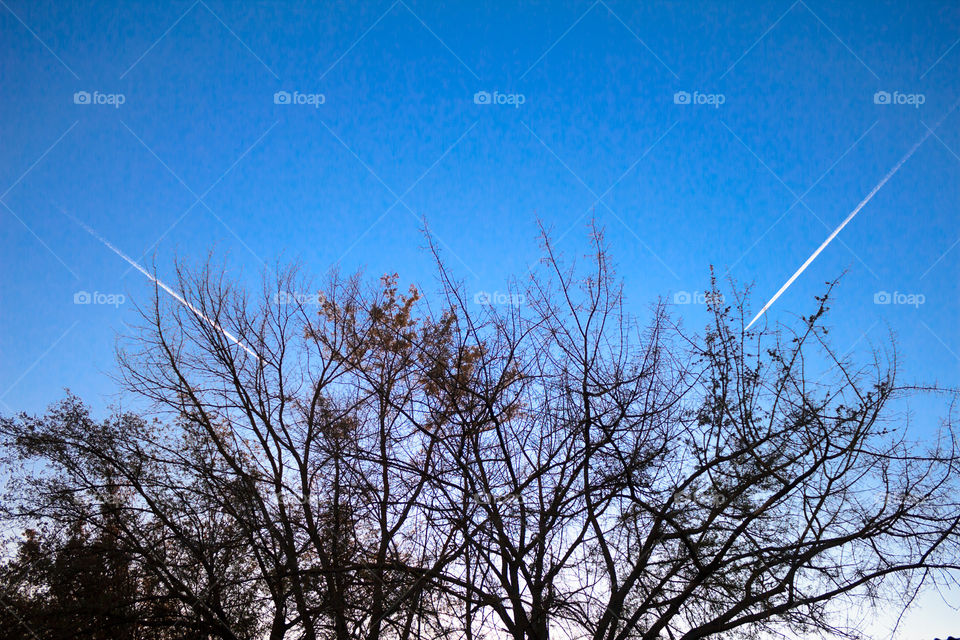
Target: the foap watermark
pixel 296 97
pixel 285 494
pixel 499 297
pixel 698 297
pixel 895 498
pixel 485 97
pixel 85 297
pixel 899 297
pixel 292 297
pixel 491 499
pixel 96 97
pixel 897 97
pixel 698 98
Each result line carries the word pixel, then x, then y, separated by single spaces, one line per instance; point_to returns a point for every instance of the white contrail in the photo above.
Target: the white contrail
pixel 855 211
pixel 232 338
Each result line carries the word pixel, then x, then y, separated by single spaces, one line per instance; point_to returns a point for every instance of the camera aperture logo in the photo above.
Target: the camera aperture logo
pixel 898 297
pixel 85 297
pixel 95 97
pixel 910 99
pixel 296 97
pixel 698 98
pixel 485 97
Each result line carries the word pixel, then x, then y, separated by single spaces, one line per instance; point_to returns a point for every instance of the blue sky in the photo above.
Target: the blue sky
pixel 483 117
pixel 199 155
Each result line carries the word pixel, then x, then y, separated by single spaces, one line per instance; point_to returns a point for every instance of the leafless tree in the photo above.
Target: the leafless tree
pixel 650 483
pixel 365 463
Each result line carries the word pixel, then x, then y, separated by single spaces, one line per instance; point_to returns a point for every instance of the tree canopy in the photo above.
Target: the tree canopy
pixel 370 462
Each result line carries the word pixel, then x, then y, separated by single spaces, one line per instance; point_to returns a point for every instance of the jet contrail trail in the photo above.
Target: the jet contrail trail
pixel 232 338
pixel 853 213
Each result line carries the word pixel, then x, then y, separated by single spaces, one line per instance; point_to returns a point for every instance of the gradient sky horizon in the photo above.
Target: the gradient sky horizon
pixel 737 135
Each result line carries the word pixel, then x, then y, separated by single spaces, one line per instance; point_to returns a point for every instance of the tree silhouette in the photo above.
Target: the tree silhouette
pixel 368 463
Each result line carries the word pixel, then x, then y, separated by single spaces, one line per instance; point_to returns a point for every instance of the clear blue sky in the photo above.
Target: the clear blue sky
pixel 399 135
pixel 199 155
